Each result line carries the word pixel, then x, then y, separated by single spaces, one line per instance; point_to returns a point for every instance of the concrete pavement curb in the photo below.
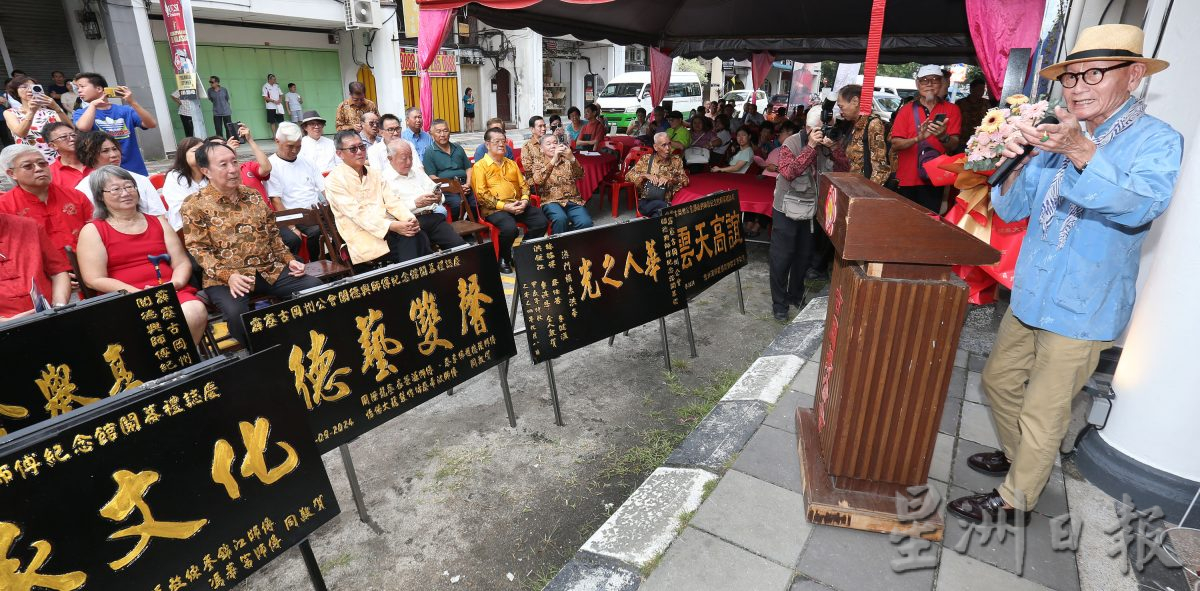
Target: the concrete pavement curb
pixel 648 521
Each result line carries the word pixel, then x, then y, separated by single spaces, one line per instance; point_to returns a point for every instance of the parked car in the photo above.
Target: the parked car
pixel 884 104
pixel 739 98
pixel 779 100
pixel 620 99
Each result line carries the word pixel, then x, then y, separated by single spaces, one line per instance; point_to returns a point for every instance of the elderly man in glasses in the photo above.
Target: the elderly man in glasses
pixel 503 196
pixel 925 129
pixel 1090 197
pixel 375 233
pixel 377 153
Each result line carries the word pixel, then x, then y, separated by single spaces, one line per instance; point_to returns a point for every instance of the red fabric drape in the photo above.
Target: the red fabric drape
pixel 431 31
pixel 874 36
pixel 660 75
pixel 998 27
pixel 760 66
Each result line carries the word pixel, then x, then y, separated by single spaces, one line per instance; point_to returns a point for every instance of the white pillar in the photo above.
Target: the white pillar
pixel 385 58
pixel 1154 415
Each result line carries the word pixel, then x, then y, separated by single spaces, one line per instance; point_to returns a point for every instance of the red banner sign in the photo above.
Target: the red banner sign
pixel 444 65
pixel 182 59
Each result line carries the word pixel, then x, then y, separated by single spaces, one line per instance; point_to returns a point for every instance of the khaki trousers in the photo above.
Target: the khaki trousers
pixel 1030 378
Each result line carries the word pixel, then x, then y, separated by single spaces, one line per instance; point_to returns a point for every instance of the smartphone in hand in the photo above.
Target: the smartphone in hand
pixel 939 118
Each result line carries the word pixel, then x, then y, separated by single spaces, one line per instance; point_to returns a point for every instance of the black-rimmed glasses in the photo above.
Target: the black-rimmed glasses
pixel 1091 76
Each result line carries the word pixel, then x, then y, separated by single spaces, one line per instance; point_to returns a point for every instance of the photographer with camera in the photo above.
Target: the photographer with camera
pixel 118 121
pixel 802 159
pixel 924 130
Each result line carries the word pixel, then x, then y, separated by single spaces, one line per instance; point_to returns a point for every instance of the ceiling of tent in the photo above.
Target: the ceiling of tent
pixel 803 30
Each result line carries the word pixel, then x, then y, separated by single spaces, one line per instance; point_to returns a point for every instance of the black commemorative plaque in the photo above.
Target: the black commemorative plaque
pixel 708 234
pixel 192 483
pixel 370 348
pixel 585 286
pixel 64 359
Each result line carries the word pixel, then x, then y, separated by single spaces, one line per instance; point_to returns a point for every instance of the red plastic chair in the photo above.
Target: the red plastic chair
pixel 494 232
pixel 616 181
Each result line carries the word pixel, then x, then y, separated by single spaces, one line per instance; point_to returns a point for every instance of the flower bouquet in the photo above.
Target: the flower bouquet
pixel 998 127
pixel 972 210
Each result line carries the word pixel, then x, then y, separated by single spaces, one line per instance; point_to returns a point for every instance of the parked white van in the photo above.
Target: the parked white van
pixel 620 99
pixel 901 87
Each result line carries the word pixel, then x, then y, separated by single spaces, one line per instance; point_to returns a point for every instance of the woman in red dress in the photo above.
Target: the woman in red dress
pixel 124 248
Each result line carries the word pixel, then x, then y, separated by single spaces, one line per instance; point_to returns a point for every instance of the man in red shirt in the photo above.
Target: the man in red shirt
pixel 59 211
pixel 66 170
pixel 27 258
pixel 924 129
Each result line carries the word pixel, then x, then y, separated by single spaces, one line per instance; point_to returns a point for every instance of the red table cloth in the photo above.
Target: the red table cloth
pixel 627 140
pixel 595 168
pixel 754 193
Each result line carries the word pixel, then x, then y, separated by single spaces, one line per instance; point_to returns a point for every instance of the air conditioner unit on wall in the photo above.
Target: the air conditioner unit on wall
pixel 363 14
pixel 635 54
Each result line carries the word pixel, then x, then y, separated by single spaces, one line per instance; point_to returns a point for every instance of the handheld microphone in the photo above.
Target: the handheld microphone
pixel 1006 169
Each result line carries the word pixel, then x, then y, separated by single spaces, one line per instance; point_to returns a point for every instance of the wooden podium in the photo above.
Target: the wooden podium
pixel 891 333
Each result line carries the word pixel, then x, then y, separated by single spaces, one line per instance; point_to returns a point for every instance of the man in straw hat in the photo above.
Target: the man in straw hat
pixel 1090 192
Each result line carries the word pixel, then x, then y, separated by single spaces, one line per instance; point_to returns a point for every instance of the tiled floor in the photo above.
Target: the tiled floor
pixel 752 529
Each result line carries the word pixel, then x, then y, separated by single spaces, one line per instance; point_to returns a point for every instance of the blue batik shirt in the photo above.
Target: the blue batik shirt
pixel 1085 290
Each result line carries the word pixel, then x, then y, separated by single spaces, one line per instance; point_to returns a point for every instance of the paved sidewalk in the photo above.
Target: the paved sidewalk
pixel 748 530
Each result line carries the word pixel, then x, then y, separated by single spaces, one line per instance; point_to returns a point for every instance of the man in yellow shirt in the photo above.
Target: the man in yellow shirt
pixel 504 197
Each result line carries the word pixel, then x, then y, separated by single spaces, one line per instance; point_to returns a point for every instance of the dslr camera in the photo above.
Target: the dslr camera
pixel 829 125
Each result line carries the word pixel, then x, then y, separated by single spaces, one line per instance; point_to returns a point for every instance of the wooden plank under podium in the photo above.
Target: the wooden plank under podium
pixel 891 331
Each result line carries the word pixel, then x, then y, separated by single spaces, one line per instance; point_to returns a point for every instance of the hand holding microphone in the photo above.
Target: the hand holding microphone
pixel 1020 148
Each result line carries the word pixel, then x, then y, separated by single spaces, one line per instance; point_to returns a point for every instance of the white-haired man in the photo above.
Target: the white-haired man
pixel 416 192
pixel 658 176
pixel 1090 199
pixel 60 211
pixel 295 183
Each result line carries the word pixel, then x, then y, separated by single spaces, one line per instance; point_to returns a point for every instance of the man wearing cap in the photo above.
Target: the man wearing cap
pixel 1090 195
pixel 925 129
pixel 315 147
pixel 679 135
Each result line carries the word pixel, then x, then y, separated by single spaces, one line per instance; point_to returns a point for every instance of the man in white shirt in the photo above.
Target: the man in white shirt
pixel 273 98
pixel 295 184
pixel 415 191
pixel 315 147
pixel 377 154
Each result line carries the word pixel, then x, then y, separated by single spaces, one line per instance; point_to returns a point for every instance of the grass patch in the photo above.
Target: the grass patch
pixel 458 466
pixel 684 519
pixel 652 564
pixel 540 578
pixel 709 486
pixel 679 364
pixel 340 560
pixel 643 458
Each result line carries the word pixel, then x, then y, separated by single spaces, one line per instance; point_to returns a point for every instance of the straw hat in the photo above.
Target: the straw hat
pixel 1122 43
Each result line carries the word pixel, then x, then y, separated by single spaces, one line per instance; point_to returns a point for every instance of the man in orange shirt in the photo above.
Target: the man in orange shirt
pixel 61 212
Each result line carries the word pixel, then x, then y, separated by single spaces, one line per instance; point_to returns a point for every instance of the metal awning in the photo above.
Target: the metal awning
pixel 803 30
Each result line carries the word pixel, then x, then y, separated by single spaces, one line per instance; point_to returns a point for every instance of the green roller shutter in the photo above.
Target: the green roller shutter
pixel 243 70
